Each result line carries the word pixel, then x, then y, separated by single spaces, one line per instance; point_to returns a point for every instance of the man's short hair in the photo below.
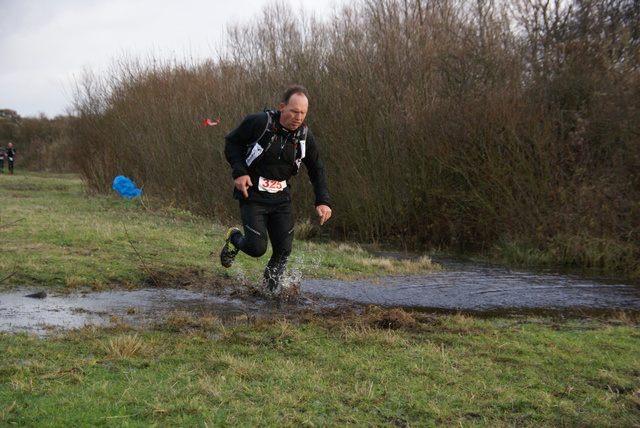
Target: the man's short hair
pixel 291 90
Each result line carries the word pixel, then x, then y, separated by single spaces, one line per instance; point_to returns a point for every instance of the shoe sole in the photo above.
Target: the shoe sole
pixel 226 250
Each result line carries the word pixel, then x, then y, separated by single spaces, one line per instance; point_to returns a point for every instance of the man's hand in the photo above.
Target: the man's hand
pixel 324 212
pixel 242 184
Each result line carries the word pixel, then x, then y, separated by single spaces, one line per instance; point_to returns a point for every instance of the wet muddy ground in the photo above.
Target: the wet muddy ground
pixel 462 287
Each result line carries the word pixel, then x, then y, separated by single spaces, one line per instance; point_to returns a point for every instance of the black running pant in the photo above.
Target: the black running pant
pixel 262 222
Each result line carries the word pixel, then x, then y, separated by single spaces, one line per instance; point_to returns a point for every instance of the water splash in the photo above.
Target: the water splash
pixel 288 289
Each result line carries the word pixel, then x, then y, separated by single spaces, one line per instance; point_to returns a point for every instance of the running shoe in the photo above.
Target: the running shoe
pixel 271 282
pixel 229 251
pixel 273 275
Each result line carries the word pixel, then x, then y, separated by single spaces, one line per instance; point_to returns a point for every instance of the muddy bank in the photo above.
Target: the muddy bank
pixel 144 307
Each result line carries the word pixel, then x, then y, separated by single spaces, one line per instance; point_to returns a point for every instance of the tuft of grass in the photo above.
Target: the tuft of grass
pixel 184 321
pixel 126 346
pixel 305 230
pixel 391 266
pixel 74 282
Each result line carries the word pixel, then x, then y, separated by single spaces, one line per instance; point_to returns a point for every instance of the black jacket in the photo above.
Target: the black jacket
pixel 277 163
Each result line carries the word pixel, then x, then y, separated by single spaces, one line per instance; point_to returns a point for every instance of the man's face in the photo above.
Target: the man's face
pixel 294 112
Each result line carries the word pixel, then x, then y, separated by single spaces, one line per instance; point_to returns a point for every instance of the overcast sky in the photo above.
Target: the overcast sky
pixel 46 44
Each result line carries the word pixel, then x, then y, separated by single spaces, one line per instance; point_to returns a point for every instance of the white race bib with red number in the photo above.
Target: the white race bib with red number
pixel 271 186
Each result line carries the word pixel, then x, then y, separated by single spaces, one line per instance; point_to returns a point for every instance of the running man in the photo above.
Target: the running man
pixel 10 153
pixel 264 152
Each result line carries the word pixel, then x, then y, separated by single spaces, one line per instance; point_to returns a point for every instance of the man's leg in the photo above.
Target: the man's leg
pixel 280 225
pixel 254 241
pixel 254 221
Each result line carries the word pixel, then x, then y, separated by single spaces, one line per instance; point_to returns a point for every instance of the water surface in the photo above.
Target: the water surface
pixel 477 287
pixel 466 287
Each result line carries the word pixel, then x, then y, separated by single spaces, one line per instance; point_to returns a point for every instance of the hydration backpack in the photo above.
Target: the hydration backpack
pixel 256 150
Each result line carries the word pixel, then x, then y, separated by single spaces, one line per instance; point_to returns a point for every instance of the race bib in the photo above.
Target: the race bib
pixel 271 186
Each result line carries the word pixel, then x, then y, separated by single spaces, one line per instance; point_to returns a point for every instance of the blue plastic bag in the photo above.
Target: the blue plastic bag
pixel 125 187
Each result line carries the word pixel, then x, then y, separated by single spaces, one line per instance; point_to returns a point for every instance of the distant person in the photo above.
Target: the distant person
pixel 2 154
pixel 11 156
pixel 264 152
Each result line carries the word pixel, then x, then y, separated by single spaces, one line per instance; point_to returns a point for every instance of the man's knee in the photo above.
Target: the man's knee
pixel 254 247
pixel 256 251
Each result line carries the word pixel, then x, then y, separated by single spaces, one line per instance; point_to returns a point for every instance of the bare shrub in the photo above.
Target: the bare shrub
pixel 455 123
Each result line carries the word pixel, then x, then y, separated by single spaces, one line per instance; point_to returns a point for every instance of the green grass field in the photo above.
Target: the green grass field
pixel 377 367
pixel 54 234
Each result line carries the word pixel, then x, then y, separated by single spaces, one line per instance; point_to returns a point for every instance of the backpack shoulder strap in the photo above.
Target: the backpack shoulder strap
pixel 301 146
pixel 270 123
pixel 302 132
pixel 255 150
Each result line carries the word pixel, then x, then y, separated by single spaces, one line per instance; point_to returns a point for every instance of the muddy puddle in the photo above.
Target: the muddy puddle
pixel 491 290
pixel 137 308
pixel 464 287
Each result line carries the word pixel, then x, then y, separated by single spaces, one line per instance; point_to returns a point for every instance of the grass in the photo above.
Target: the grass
pixel 54 234
pixel 380 368
pixel 584 253
pixel 338 367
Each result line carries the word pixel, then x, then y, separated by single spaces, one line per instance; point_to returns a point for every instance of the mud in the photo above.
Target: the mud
pixel 462 287
pixel 20 311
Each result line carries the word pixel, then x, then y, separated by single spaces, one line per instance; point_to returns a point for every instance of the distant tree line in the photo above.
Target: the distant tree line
pixel 43 144
pixel 507 126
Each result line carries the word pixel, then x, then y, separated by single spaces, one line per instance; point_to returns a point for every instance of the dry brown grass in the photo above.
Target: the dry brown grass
pixel 125 346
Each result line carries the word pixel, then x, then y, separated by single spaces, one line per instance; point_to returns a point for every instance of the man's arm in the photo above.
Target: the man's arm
pixel 315 170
